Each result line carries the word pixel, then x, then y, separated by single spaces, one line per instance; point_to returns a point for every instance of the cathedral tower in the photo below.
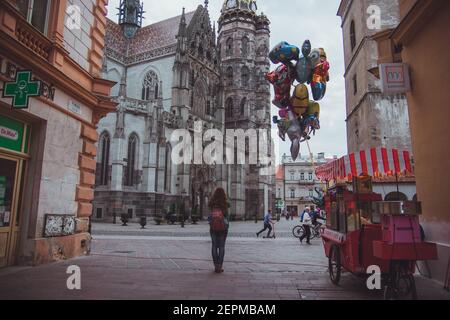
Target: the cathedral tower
pixel 244 41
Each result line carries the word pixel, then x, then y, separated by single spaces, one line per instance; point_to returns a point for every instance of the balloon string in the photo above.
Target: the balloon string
pixel 311 155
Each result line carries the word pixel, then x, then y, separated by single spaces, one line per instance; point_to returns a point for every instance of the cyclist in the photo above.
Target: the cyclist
pixel 306 220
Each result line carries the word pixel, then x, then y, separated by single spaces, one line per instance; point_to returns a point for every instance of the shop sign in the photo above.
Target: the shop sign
pixel 395 78
pixel 23 85
pixel 12 134
pixel 21 89
pixel 279 204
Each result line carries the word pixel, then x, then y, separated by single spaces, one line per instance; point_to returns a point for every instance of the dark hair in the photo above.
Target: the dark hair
pixel 219 200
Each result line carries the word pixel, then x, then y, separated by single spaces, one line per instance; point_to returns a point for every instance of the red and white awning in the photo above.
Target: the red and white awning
pixel 373 162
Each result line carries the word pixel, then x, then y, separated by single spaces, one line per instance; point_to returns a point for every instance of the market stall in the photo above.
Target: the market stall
pixel 363 231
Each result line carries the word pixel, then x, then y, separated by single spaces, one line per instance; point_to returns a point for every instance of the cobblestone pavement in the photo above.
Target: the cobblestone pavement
pixel 283 229
pixel 124 266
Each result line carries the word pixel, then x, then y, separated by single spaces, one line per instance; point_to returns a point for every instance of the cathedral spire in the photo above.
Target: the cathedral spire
pixel 130 16
pixel 181 38
pixel 183 26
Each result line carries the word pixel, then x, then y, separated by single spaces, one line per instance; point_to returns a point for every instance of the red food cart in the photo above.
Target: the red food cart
pixel 363 231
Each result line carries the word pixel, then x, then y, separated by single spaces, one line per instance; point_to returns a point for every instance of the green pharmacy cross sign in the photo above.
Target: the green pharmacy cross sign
pixel 21 89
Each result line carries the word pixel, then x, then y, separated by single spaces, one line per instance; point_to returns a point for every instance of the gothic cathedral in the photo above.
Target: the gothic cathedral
pixel 170 75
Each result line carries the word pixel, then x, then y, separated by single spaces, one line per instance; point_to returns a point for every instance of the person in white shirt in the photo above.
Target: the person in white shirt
pixel 306 221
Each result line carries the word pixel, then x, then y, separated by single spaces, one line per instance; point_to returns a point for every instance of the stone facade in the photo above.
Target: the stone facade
pixel 422 23
pixel 373 119
pixel 59 175
pixel 300 183
pixel 170 75
pixel 244 41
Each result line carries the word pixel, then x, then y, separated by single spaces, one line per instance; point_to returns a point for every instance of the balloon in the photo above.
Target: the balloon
pixel 318 90
pixel 298 116
pixel 283 113
pixel 284 53
pixel 313 109
pixel 304 67
pixel 306 48
pixel 312 115
pixel 281 79
pixel 282 125
pixel 320 75
pixel 314 58
pixel 295 134
pixel 300 99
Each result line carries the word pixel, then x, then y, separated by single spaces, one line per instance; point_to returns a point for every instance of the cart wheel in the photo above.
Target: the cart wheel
pixel 401 284
pixel 298 231
pixel 334 265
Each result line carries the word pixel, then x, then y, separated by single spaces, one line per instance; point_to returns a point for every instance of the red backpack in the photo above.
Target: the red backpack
pixel 218 221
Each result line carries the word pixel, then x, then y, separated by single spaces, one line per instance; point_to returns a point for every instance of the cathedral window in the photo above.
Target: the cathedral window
pixel 229 75
pixel 245 76
pixel 192 78
pixel 245 47
pixel 229 107
pixel 208 108
pixel 199 98
pixel 229 47
pixel 131 160
pixel 352 35
pixel 243 105
pixel 150 86
pixel 103 159
pixel 168 170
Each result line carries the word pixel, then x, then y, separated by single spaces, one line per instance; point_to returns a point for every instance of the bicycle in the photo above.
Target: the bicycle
pixel 299 231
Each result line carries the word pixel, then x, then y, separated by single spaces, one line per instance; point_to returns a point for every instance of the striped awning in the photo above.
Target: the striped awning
pixel 375 162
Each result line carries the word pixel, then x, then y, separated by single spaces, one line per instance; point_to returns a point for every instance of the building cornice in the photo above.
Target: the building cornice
pixel 344 9
pixel 415 19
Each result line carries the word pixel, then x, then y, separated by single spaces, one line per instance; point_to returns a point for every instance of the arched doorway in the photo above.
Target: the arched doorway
pixel 396 196
pixel 201 188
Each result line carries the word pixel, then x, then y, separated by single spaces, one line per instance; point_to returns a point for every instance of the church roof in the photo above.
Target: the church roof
pixel 279 174
pixel 152 37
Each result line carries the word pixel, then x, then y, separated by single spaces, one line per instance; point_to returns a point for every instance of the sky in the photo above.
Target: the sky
pixel 292 21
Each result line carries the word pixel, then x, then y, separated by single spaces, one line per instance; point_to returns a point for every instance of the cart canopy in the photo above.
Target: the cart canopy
pixel 376 162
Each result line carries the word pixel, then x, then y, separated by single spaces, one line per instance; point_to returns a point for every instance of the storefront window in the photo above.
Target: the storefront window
pixel 35 11
pixel 7 180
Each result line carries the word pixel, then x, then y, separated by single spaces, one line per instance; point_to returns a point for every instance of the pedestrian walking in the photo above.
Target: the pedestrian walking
pixel 306 221
pixel 219 225
pixel 267 224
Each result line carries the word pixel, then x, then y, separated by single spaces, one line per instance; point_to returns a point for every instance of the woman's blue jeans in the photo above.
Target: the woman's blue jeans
pixel 218 246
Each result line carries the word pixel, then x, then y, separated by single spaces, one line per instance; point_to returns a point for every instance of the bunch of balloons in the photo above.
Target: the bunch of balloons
pixel 298 116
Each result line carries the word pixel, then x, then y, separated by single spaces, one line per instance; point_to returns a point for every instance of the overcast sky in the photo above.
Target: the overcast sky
pixel 292 21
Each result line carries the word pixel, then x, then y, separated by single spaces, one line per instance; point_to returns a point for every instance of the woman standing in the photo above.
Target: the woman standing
pixel 218 221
